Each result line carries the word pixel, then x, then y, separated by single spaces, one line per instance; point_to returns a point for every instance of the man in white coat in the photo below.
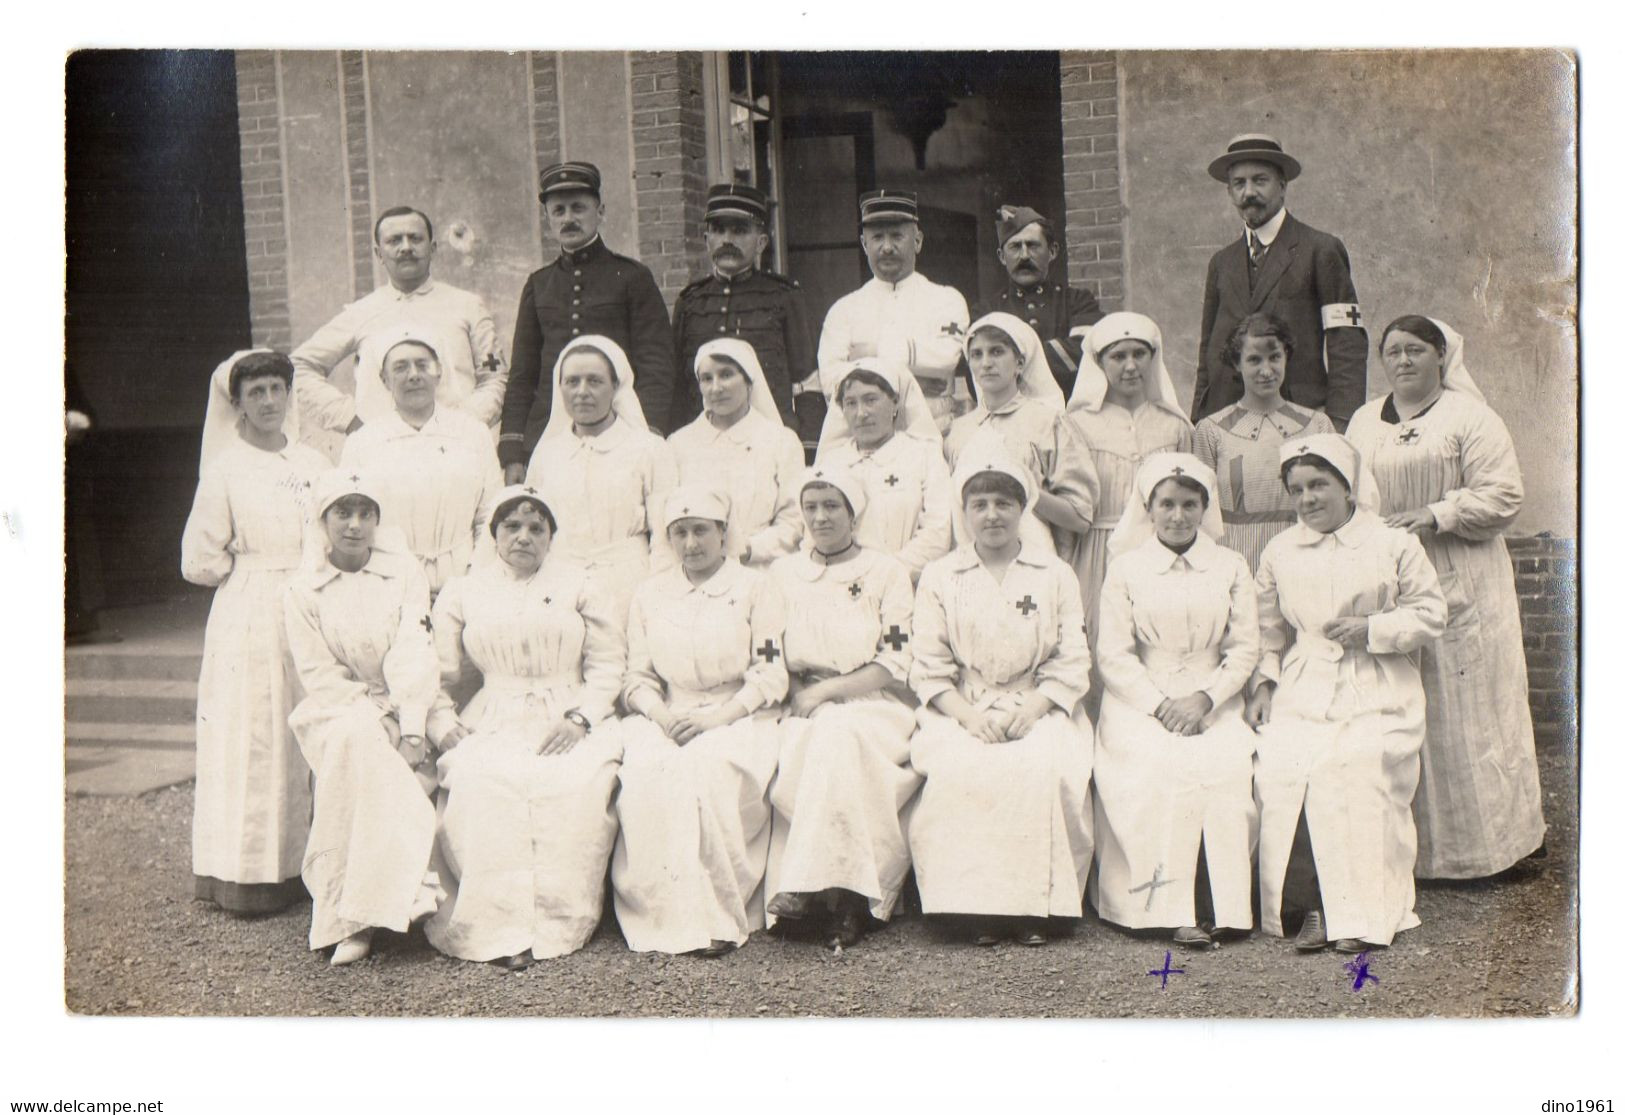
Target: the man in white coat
pixel 456 322
pixel 899 316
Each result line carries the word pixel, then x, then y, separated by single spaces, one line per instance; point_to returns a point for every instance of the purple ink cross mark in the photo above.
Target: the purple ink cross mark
pixel 1026 606
pixel 1360 969
pixel 768 651
pixel 1150 887
pixel 895 637
pixel 1410 434
pixel 854 590
pixel 1166 970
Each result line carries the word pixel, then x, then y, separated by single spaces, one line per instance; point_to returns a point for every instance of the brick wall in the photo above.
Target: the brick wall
pixel 1089 150
pixel 668 155
pixel 1547 599
pixel 544 126
pixel 265 229
pixel 358 168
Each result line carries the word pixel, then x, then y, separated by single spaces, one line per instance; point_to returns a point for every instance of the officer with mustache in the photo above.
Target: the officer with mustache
pixel 739 299
pixel 587 290
pixel 1280 266
pixel 1059 314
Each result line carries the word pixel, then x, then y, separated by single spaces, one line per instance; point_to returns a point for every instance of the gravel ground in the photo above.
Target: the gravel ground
pixel 138 945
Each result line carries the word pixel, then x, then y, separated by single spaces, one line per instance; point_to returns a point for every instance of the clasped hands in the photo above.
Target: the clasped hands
pixel 684 727
pixel 1182 716
pixel 995 726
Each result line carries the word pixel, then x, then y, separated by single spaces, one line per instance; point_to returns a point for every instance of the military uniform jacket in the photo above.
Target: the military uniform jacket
pixel 766 310
pixel 1054 311
pixel 589 291
pixel 1303 271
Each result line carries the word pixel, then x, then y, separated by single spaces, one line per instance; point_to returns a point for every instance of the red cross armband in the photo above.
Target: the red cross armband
pixel 1342 315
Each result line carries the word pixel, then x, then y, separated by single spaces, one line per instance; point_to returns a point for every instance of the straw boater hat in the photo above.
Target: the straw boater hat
pixel 1256 148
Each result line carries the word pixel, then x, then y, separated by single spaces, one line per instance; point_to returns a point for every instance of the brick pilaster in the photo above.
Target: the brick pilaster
pixel 358 168
pixel 1545 572
pixel 1089 158
pixel 265 226
pixel 544 125
pixel 668 155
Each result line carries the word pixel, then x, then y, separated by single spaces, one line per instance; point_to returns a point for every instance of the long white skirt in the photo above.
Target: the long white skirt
pixel 526 840
pixel 1159 799
pixel 367 861
pixel 841 801
pixel 694 819
pixel 1353 780
pixel 1002 828
pixel 252 809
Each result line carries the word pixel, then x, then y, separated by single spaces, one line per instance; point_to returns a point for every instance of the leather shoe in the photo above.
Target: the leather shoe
pixel 1193 937
pixel 1312 936
pixel 789 904
pixel 518 962
pixel 352 948
pixel 846 930
pixel 1354 944
pixel 1032 938
pixel 716 948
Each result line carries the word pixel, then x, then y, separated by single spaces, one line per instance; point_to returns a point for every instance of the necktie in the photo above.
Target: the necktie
pixel 1255 249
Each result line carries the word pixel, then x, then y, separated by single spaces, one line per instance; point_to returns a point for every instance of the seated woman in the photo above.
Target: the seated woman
pixel 882 432
pixel 1445 466
pixel 604 473
pixel 359 630
pixel 705 675
pixel 1344 602
pixel 1124 403
pixel 838 855
pixel 245 534
pixel 1242 443
pixel 1178 640
pixel 1002 829
pixel 740 444
pixel 526 827
pixel 434 466
pixel 1021 412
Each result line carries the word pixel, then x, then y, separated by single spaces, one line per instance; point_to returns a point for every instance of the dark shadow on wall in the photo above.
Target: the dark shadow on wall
pixel 157 288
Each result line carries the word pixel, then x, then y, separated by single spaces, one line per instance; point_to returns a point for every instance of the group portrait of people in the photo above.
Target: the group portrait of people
pixel 587 619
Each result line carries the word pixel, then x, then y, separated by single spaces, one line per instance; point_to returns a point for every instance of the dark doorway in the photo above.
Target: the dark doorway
pixel 969 131
pixel 157 290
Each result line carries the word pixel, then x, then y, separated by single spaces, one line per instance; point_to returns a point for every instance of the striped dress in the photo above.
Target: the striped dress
pixel 1243 447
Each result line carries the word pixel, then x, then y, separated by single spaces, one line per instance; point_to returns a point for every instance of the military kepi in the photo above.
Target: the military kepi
pixel 570 176
pixel 1255 148
pixel 1011 219
pixel 881 206
pixel 736 199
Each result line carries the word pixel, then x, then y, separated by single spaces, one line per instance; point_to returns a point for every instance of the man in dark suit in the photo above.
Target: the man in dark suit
pixel 1059 314
pixel 739 299
pixel 587 290
pixel 1280 266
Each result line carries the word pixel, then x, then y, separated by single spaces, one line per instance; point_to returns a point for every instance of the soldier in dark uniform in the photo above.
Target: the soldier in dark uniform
pixel 587 290
pixel 1060 314
pixel 739 299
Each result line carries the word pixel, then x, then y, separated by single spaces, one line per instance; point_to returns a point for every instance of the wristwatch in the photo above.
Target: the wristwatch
pixel 574 716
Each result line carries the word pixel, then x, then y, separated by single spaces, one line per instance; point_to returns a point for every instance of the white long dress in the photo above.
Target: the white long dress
pixel 1001 828
pixel 1478 807
pixel 526 838
pixel 910 512
pixel 245 535
pixel 694 818
pixel 1343 743
pixel 433 484
pixel 607 491
pixel 362 645
pixel 1172 625
pixel 844 782
pixel 757 463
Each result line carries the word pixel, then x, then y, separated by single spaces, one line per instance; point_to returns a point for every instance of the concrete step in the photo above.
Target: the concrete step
pixel 131 700
pixel 162 737
pixel 96 662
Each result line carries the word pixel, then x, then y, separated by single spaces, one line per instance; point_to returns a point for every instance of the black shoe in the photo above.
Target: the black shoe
pixel 1193 937
pixel 845 929
pixel 518 962
pixel 716 949
pixel 1312 936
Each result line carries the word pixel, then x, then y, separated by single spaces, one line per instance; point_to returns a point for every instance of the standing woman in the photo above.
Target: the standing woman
pixel 434 466
pixel 1002 831
pixel 838 853
pixel 1178 641
pixel 245 535
pixel 1344 604
pixel 740 444
pixel 359 629
pixel 1445 465
pixel 1020 409
pixel 526 826
pixel 705 675
pixel 1124 403
pixel 605 474
pixel 882 432
pixel 1242 443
